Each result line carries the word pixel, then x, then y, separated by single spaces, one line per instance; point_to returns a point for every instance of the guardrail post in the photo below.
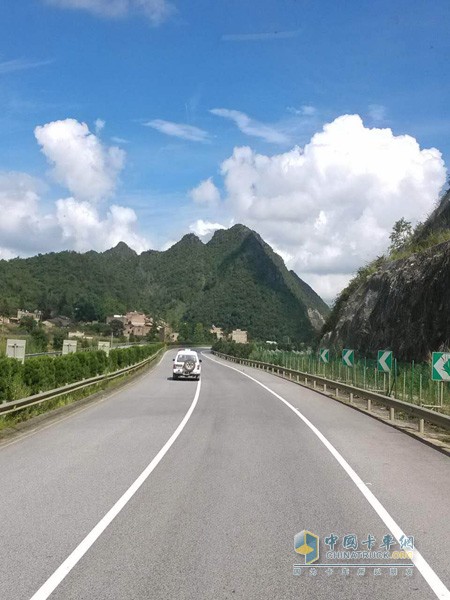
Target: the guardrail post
pixel 369 404
pixel 391 414
pixel 314 384
pixel 421 426
pixel 325 387
pixel 306 381
pixel 351 398
pixel 337 392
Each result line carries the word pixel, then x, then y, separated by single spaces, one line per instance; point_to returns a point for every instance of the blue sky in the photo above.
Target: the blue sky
pixel 290 66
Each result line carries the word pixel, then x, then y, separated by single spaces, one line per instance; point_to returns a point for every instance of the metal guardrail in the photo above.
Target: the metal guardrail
pixel 420 412
pixel 89 349
pixel 54 353
pixel 15 405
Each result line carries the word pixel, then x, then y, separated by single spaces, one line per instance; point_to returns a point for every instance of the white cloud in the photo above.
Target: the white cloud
pixel 99 125
pixel 89 170
pixel 305 110
pixel 21 64
pixel 119 140
pixel 251 127
pixel 205 193
pixel 180 130
pixel 205 229
pixel 331 205
pixel 80 161
pixel 28 226
pixel 23 227
pixel 83 229
pixel 167 245
pixel 157 11
pixel 260 37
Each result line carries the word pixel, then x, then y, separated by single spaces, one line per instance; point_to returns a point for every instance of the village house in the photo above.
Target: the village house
pixel 239 336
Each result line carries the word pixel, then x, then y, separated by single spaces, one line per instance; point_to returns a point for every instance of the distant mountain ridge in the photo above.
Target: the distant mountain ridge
pixel 234 280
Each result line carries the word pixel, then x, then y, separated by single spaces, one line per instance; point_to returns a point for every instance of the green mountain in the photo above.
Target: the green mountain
pixel 400 302
pixel 235 280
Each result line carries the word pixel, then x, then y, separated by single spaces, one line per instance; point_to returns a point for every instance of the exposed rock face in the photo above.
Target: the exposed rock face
pixel 404 307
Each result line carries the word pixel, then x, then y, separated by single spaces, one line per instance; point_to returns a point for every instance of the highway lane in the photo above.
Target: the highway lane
pixel 217 516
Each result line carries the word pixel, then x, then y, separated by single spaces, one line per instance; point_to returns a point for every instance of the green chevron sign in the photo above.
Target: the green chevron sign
pixel 385 360
pixel 440 370
pixel 324 355
pixel 348 358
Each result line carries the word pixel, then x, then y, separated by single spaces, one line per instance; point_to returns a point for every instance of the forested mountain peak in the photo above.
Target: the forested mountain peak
pixel 121 250
pixel 235 280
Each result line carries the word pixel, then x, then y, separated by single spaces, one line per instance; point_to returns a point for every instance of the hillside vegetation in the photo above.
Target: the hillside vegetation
pixel 235 280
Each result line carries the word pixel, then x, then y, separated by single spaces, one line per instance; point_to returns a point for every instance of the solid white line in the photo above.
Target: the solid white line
pixel 64 569
pixel 423 567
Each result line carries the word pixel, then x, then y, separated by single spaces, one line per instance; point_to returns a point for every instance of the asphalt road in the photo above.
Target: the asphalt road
pixel 214 515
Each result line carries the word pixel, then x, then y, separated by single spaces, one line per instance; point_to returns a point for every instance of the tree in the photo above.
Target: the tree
pixel 153 334
pixel 39 339
pixel 199 333
pixel 401 234
pixel 5 308
pixel 28 323
pixel 58 339
pixel 185 332
pixel 116 327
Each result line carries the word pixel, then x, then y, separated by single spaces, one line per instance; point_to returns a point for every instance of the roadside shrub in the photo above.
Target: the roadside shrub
pixel 233 348
pixel 11 371
pixel 42 373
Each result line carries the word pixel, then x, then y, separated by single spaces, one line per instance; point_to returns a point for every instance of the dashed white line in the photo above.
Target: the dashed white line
pixel 435 583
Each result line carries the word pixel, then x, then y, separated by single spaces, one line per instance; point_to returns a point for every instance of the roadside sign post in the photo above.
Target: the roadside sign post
pixel 105 346
pixel 324 357
pixel 69 346
pixel 440 372
pixel 16 349
pixel 440 368
pixel 348 360
pixel 385 362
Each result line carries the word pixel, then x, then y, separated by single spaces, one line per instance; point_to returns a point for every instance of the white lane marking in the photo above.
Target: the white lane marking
pixel 424 568
pixel 74 412
pixel 64 569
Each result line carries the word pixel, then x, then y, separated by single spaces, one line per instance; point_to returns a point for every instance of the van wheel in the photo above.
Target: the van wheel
pixel 175 377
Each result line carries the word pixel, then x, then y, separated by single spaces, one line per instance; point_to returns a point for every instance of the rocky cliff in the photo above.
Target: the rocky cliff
pixel 402 304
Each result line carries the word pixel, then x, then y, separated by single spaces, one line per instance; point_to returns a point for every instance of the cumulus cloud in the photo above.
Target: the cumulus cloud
pixel 331 205
pixel 83 229
pixel 23 227
pixel 180 130
pixel 157 11
pixel 251 126
pixel 89 170
pixel 205 229
pixel 29 226
pixel 81 163
pixel 205 193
